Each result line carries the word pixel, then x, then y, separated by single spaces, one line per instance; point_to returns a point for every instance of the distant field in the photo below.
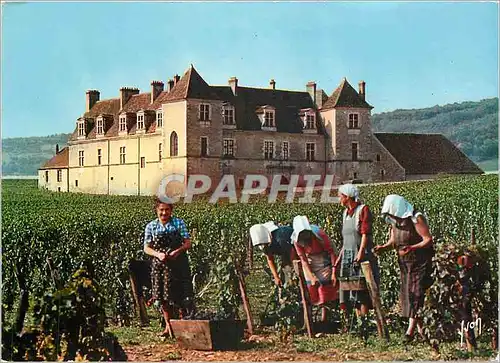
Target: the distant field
pixel 489 165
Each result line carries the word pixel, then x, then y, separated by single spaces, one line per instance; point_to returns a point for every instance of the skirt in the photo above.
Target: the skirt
pixel 415 279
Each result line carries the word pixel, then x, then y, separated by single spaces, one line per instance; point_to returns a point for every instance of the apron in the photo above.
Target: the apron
pixel 351 243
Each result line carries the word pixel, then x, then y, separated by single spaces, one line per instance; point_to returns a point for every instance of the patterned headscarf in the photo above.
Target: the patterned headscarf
pixel 350 190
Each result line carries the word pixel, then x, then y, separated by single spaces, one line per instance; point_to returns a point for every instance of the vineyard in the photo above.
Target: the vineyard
pixel 43 232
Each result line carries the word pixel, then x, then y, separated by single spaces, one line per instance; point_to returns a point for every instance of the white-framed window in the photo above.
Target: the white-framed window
pixel 160 151
pixel 140 121
pixel 100 126
pixel 99 156
pixel 81 158
pixel 228 147
pixel 46 176
pixel 310 151
pixel 159 118
pixel 269 120
pixel 353 121
pixel 59 175
pixel 123 123
pixel 204 112
pixel 228 115
pixel 122 154
pixel 354 151
pixel 268 150
pixel 143 162
pixel 174 144
pixel 81 128
pixel 285 150
pixel 204 146
pixel 310 122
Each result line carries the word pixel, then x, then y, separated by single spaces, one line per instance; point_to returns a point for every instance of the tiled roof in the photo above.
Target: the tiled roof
pixel 345 96
pixel 142 101
pixel 191 85
pixel 427 154
pixel 287 106
pixel 58 161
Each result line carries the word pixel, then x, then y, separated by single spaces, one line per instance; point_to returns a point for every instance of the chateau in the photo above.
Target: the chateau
pixel 125 145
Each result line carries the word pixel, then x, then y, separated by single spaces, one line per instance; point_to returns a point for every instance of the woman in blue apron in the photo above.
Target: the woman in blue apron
pixel 357 248
pixel 167 239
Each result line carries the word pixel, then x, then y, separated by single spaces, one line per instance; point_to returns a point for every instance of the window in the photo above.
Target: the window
pixel 310 151
pixel 122 154
pixel 382 174
pixel 204 146
pixel 81 128
pixel 355 175
pixel 204 112
pixel 353 121
pixel 354 149
pixel 59 175
pixel 123 123
pixel 228 147
pixel 100 126
pixel 58 189
pixel 143 162
pixel 174 147
pixel 76 183
pixel 269 119
pixel 81 158
pixel 378 157
pixel 268 150
pixel 140 122
pixel 159 119
pixel 160 151
pixel 228 116
pixel 310 121
pixel 46 176
pixel 99 156
pixel 285 150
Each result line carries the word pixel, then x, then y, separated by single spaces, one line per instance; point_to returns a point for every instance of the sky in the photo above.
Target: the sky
pixel 410 54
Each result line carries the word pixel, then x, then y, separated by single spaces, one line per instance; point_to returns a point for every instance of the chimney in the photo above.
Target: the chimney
pixel 170 85
pixel 92 98
pixel 156 89
pixel 125 94
pixel 362 89
pixel 311 89
pixel 57 149
pixel 233 83
pixel 319 98
pixel 272 84
pixel 176 79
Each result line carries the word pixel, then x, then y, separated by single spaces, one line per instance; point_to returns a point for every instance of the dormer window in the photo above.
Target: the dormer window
pixel 269 118
pixel 228 113
pixel 159 118
pixel 100 126
pixel 353 121
pixel 123 123
pixel 140 121
pixel 81 128
pixel 310 123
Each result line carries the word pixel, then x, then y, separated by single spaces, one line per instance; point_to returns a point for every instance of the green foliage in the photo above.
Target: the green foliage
pixel 472 126
pixel 69 325
pixel 104 232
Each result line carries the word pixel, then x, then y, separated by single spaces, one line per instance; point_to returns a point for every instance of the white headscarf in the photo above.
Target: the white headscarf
pixel 259 235
pixel 350 190
pixel 397 206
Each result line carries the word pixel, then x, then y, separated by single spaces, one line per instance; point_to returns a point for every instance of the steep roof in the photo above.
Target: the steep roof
pixel 287 105
pixel 427 154
pixel 58 161
pixel 191 85
pixel 345 96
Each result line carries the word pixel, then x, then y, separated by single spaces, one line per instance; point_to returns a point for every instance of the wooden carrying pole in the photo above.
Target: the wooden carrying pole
pixel 244 297
pixel 375 296
pixel 297 265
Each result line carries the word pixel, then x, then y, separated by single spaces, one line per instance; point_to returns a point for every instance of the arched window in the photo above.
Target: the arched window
pixel 174 144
